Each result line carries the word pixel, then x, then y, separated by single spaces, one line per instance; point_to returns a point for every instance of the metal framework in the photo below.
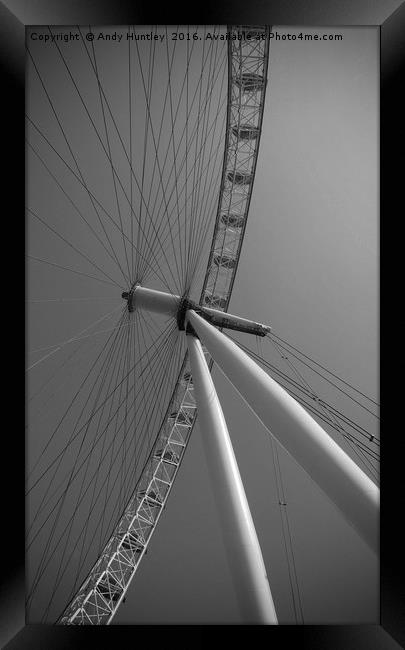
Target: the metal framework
pixel 335 473
pixel 247 60
pixel 104 589
pixel 100 595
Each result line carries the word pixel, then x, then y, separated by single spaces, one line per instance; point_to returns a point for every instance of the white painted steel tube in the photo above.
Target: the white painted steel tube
pixel 327 464
pixel 236 320
pixel 242 546
pixel 156 301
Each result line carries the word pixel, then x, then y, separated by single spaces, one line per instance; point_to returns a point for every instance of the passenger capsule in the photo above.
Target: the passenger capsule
pixel 180 417
pixel 240 178
pixel 224 261
pixel 253 33
pixel 110 588
pixel 232 220
pixel 132 542
pixel 246 132
pixel 168 456
pixel 151 498
pixel 249 81
pixel 215 301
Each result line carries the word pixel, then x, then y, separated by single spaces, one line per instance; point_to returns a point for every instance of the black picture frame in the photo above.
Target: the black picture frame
pixel 390 17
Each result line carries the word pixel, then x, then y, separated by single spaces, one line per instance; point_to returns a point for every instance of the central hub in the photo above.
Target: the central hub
pixel 159 302
pixel 185 304
pixel 126 296
pixel 177 307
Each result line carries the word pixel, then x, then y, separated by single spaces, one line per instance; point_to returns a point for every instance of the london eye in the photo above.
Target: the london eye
pixel 142 152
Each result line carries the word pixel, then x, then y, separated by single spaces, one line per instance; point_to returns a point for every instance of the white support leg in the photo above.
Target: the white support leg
pixel 327 464
pixel 242 545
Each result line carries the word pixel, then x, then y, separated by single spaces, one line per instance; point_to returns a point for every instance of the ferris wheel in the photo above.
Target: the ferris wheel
pixel 142 153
